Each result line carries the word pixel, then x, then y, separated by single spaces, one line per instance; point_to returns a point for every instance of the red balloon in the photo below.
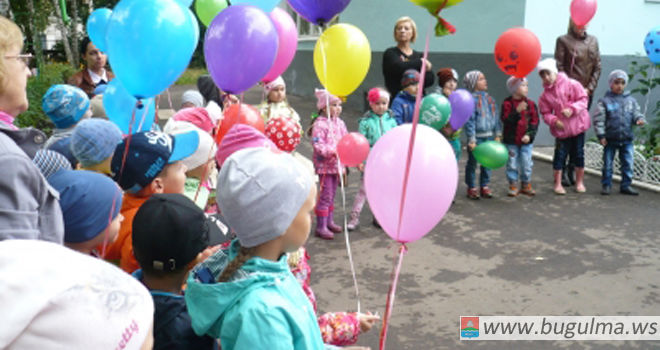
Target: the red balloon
pixel 239 114
pixel 284 132
pixel 582 11
pixel 517 52
pixel 353 149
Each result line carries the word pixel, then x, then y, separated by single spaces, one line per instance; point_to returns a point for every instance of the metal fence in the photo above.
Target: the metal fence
pixel 645 170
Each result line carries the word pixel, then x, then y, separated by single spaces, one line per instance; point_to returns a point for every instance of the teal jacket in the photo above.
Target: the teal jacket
pixel 373 126
pixel 263 306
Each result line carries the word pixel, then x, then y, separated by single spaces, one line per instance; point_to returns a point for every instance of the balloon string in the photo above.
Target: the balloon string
pixel 648 94
pixel 144 116
pixel 169 98
pixel 106 237
pixel 128 140
pixel 155 122
pixel 346 235
pixel 390 295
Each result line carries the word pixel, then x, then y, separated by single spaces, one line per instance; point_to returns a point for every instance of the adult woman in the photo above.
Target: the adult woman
pixel 94 72
pixel 28 205
pixel 402 57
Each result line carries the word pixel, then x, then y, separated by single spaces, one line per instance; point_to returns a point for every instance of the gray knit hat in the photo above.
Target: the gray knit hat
pixel 260 192
pixel 94 140
pixel 470 79
pixel 617 74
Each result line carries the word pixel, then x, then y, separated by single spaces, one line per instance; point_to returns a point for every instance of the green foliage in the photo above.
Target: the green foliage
pixel 55 73
pixel 647 138
pixel 190 76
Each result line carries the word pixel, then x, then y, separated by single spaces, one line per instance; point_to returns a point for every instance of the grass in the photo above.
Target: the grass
pixel 189 77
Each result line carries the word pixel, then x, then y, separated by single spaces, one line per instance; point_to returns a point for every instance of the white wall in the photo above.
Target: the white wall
pixel 619 25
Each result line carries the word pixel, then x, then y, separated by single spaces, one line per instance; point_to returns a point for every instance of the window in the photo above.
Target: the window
pixel 306 30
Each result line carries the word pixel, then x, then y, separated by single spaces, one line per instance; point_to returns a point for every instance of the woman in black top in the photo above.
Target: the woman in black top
pixel 401 57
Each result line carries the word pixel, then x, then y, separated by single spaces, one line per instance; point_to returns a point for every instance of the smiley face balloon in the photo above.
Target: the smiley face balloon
pixel 517 52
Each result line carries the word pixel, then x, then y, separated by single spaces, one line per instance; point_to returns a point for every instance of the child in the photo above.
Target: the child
pixel 50 162
pixel 152 165
pixel 327 130
pixel 521 120
pixel 192 99
pixel 483 125
pixel 403 106
pixel 93 143
pixel 276 104
pixel 65 105
pixel 206 119
pixel 90 205
pixel 563 105
pixel 617 113
pixel 374 124
pixel 184 231
pixel 448 82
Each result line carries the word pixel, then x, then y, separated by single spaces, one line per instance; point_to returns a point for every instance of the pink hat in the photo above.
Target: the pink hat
pixel 323 97
pixel 273 84
pixel 376 94
pixel 241 136
pixel 197 116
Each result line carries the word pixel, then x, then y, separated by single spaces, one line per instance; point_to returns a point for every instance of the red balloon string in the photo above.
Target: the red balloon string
pixel 128 140
pixel 391 294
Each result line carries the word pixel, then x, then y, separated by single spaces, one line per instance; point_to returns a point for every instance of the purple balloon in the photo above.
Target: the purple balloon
pixel 462 107
pixel 240 47
pixel 318 11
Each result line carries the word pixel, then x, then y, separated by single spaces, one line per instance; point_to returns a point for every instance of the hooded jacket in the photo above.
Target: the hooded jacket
pixel 326 133
pixel 403 107
pixel 616 116
pixel 579 58
pixel 373 126
pixel 565 93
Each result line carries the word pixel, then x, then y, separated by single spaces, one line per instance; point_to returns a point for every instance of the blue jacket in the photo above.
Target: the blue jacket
pixel 373 126
pixel 262 306
pixel 403 107
pixel 485 121
pixel 616 116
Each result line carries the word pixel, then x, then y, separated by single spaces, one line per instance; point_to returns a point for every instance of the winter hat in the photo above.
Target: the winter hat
pixel 194 97
pixel 49 162
pixel 617 74
pixel 446 74
pixel 241 136
pixel 94 140
pixel 549 64
pixel 260 192
pixel 63 147
pixel 197 116
pixel 376 94
pixel 65 105
pixel 206 148
pixel 513 83
pixel 410 77
pixel 471 78
pixel 58 298
pixel 323 97
pixel 273 84
pixel 89 201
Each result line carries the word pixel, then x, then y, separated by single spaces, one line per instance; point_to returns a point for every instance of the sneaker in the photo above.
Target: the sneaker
pixel 527 189
pixel 629 191
pixel 606 190
pixel 353 224
pixel 513 190
pixel 473 193
pixel 486 192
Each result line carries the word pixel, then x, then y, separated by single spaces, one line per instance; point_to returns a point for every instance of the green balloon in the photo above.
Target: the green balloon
pixel 491 154
pixel 207 9
pixel 435 111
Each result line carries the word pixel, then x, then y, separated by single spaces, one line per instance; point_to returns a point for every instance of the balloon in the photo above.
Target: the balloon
pixel 240 48
pixel 491 154
pixel 342 56
pixel 97 22
pixel 652 45
pixel 207 9
pixel 353 149
pixel 433 178
pixel 119 105
pixel 150 44
pixel 435 111
pixel 185 3
pixel 266 5
pixel 582 11
pixel 318 11
pixel 462 107
pixel 434 5
pixel 239 114
pixel 287 33
pixel 284 132
pixel 517 52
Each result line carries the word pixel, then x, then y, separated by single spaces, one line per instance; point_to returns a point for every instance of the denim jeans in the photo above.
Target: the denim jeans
pixel 573 146
pixel 626 156
pixel 520 161
pixel 471 168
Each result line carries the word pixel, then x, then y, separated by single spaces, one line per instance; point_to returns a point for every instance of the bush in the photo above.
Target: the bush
pixel 648 137
pixel 50 74
pixel 190 76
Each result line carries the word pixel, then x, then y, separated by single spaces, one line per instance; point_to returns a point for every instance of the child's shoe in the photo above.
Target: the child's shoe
pixel 355 221
pixel 322 228
pixel 629 191
pixel 486 192
pixel 473 193
pixel 606 190
pixel 513 190
pixel 527 189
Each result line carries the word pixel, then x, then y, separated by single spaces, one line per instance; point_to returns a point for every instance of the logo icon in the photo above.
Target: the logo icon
pixel 469 327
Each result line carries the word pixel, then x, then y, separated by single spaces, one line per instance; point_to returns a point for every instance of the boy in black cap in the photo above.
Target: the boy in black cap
pixel 169 235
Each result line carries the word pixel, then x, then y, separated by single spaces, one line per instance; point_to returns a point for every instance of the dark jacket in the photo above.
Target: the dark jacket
pixel 516 125
pixel 579 58
pixel 616 116
pixel 85 82
pixel 396 62
pixel 403 107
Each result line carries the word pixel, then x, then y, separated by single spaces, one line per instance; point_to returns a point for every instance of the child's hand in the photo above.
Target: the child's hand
pixel 567 112
pixel 498 139
pixel 640 122
pixel 525 139
pixel 360 167
pixel 603 142
pixel 521 106
pixel 472 145
pixel 367 321
pixel 559 125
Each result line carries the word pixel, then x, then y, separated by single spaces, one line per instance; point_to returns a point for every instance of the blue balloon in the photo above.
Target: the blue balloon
pixel 119 105
pixel 97 22
pixel 652 45
pixel 150 44
pixel 266 5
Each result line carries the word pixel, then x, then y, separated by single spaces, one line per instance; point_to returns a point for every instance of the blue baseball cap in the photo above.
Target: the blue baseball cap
pixel 65 105
pixel 148 154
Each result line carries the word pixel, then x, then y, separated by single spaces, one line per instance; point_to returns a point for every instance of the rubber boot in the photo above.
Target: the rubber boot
pixel 565 179
pixel 571 173
pixel 579 180
pixel 331 223
pixel 558 188
pixel 355 221
pixel 322 228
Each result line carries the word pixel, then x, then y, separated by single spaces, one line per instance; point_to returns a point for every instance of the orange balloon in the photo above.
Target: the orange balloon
pixel 517 52
pixel 239 114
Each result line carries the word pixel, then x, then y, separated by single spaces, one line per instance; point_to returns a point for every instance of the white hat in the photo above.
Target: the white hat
pixel 194 97
pixel 206 148
pixel 549 64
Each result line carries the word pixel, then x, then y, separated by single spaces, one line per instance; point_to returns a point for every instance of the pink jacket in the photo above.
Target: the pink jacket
pixel 565 93
pixel 326 133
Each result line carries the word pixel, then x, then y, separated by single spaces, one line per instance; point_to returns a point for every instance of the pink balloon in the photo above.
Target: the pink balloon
pixel 288 35
pixel 582 11
pixel 353 149
pixel 432 181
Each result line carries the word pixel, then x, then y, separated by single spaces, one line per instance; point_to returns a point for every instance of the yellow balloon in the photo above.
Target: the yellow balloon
pixel 342 57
